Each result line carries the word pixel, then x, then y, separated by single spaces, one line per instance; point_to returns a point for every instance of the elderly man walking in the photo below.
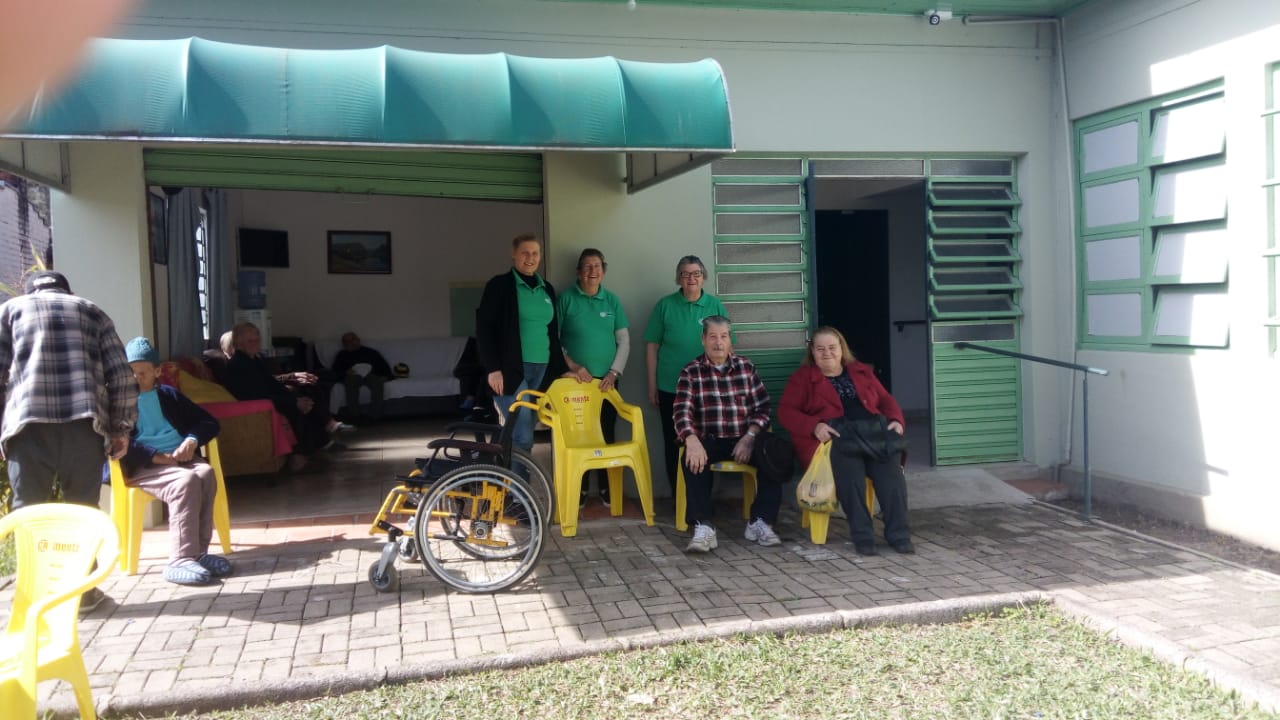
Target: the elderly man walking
pixel 721 407
pixel 69 394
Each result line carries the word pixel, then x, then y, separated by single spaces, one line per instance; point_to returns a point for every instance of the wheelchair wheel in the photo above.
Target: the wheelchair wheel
pixel 539 483
pixel 385 582
pixel 480 529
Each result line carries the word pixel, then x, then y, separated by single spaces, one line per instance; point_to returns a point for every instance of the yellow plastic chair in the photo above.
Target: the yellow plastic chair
pixel 572 410
pixel 129 505
pixel 817 522
pixel 748 473
pixel 56 545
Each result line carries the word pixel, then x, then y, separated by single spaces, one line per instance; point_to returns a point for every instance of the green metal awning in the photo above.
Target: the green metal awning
pixel 667 117
pixel 199 90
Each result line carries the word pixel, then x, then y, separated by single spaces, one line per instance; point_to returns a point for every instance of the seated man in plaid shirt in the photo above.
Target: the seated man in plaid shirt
pixel 721 406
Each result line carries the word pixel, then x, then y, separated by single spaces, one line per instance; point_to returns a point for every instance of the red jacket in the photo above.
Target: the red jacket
pixel 810 399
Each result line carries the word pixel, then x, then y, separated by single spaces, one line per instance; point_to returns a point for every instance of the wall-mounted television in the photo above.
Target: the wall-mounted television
pixel 264 248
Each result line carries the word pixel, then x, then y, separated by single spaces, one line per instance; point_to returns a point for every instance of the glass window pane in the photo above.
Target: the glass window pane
pixel 788 194
pixel 758 253
pixel 1115 315
pixel 1189 131
pixel 1191 194
pixel 970 221
pixel 1113 259
pixel 1111 203
pixel 1112 147
pixel 971 193
pixel 1202 318
pixel 759 282
pixel 758 223
pixel 1192 256
pixel 967 249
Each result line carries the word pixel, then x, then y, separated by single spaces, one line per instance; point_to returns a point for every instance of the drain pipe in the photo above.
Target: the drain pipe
pixel 1071 209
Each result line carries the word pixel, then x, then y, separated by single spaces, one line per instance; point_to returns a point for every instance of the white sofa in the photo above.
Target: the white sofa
pixel 431 361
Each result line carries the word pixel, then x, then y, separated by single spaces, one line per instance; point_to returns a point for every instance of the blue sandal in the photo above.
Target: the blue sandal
pixel 187 572
pixel 217 565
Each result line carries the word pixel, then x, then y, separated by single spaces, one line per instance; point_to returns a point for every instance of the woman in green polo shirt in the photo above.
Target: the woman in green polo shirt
pixel 672 339
pixel 517 336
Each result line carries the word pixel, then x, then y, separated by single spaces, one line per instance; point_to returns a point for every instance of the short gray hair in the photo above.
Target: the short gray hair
pixel 718 321
pixel 691 260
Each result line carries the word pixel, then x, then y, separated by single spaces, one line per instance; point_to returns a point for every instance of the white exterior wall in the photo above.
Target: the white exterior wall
pixel 806 83
pixel 1191 433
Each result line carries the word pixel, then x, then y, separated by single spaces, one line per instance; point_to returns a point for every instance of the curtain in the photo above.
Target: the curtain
pixel 222 304
pixel 184 302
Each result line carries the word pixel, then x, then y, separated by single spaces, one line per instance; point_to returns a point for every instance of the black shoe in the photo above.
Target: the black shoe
pixel 904 546
pixel 604 496
pixel 90 600
pixel 865 548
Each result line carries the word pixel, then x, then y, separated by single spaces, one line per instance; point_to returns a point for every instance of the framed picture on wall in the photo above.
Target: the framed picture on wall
pixel 359 252
pixel 156 229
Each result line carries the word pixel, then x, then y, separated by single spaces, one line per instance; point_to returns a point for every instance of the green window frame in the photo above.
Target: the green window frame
pixel 1271 256
pixel 1151 224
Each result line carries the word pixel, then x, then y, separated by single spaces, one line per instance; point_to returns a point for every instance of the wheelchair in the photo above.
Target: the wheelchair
pixel 474 513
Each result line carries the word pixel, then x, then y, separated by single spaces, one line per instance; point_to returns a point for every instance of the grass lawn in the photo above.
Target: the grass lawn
pixel 1026 663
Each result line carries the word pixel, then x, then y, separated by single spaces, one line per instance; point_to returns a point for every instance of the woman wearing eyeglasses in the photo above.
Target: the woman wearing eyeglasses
pixel 673 339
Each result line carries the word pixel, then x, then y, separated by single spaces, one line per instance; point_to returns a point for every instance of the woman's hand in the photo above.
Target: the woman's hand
pixel 824 432
pixel 495 383
pixel 695 456
pixel 184 452
pixel 896 427
pixel 653 395
pixel 608 382
pixel 582 374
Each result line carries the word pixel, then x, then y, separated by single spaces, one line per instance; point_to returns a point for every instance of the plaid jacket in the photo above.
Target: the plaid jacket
pixel 711 403
pixel 61 360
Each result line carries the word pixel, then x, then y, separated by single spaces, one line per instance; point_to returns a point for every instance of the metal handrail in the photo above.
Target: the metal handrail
pixel 1087 512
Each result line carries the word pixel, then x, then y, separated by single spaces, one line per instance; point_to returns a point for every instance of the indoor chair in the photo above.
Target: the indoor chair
pixel 129 505
pixel 748 473
pixel 572 410
pixel 56 546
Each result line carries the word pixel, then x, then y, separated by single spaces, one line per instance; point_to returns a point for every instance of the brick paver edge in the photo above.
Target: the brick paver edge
pixel 235 696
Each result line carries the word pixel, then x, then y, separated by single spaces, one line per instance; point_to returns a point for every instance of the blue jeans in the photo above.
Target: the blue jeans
pixel 522 434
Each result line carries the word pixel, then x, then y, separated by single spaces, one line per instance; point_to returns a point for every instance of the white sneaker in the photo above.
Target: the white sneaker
pixel 337 426
pixel 760 532
pixel 704 539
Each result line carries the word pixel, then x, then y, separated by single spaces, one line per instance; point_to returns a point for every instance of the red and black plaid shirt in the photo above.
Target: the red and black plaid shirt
pixel 719 403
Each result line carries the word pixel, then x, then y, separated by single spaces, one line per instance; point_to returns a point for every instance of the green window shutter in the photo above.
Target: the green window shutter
pixel 973 262
pixel 761 232
pixel 477 176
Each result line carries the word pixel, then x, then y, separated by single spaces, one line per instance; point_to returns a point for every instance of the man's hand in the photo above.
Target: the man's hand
pixel 695 456
pixel 305 405
pixel 184 452
pixel 742 450
pixel 824 432
pixel 495 383
pixel 118 447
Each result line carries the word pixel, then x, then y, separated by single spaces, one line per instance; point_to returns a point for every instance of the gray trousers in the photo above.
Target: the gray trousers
pixel 70 453
pixel 188 491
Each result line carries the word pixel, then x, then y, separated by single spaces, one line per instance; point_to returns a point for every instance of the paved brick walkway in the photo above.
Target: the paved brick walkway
pixel 298 615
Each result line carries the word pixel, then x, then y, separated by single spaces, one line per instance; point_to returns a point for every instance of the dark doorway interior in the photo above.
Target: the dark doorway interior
pixel 853 282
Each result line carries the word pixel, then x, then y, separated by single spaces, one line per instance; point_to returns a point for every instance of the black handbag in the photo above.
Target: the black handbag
pixel 868 437
pixel 776 455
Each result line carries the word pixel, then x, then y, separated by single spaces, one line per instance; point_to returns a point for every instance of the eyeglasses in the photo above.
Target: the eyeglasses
pixel 686 275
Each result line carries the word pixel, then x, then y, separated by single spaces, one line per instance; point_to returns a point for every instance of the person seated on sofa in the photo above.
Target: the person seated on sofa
pixel 162 460
pixel 249 378
pixel 347 364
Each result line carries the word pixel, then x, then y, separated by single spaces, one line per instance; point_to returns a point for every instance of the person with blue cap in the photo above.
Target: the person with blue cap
pixel 162 460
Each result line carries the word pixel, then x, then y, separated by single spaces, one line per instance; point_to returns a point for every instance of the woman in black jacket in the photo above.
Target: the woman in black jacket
pixel 517 335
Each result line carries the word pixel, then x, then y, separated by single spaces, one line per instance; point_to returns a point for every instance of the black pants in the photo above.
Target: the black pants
pixel 670 449
pixel 851 472
pixel 608 428
pixel 697 486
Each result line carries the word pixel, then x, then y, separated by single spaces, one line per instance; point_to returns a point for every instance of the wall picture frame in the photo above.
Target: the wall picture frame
pixel 359 252
pixel 157 234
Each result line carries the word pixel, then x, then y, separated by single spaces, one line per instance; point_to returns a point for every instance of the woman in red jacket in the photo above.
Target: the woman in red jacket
pixel 829 387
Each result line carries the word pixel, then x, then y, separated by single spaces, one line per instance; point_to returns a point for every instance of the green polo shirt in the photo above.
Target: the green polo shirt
pixel 536 312
pixel 676 326
pixel 587 327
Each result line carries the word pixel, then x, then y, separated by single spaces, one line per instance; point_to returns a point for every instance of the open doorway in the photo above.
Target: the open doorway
pixel 870 276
